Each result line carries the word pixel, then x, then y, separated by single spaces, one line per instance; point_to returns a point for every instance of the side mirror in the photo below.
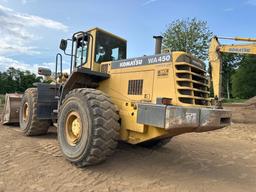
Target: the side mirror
pixel 63 44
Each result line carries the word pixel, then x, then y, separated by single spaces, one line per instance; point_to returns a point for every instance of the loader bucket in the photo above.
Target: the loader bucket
pixel 11 108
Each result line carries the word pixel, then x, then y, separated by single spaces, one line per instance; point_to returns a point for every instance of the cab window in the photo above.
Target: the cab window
pixel 109 48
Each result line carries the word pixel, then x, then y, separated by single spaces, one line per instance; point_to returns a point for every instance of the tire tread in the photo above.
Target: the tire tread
pixel 105 125
pixel 37 127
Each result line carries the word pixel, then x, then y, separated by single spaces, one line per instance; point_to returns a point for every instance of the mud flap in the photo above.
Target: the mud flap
pixel 47 101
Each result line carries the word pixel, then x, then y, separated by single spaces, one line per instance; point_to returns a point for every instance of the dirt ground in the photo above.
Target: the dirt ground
pixel 223 160
pixel 242 113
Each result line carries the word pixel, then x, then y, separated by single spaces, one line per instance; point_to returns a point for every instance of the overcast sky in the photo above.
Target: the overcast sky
pixel 30 30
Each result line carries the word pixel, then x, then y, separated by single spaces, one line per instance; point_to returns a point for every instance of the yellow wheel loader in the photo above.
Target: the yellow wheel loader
pixel 107 97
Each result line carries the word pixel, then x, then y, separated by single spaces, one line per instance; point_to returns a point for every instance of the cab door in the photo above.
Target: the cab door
pixel 81 52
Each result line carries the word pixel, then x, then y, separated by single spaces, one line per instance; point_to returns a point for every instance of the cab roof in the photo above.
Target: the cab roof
pixel 104 31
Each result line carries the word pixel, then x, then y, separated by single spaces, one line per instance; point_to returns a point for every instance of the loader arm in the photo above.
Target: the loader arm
pixel 215 53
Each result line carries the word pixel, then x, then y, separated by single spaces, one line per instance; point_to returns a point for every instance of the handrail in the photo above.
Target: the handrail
pixel 56 66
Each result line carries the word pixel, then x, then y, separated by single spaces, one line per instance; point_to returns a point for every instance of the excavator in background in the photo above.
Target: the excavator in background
pixel 216 50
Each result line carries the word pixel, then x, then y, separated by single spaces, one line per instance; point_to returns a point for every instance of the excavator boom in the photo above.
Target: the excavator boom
pixel 239 39
pixel 216 66
pixel 240 49
pixel 215 53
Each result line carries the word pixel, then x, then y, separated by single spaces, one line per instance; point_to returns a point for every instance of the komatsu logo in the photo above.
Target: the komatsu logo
pixel 240 50
pixel 131 63
pixel 147 60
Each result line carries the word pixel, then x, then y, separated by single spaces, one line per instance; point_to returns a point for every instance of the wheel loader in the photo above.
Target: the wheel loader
pixel 108 98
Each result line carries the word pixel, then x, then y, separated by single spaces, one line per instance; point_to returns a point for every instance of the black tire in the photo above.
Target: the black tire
pixel 154 144
pixel 29 124
pixel 99 134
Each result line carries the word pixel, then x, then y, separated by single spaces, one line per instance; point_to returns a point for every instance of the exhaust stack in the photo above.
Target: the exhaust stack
pixel 158 44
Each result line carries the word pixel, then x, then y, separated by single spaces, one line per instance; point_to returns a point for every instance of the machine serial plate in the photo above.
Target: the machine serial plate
pixel 139 61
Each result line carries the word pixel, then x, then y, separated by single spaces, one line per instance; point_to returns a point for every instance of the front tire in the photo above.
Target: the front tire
pixel 29 123
pixel 88 128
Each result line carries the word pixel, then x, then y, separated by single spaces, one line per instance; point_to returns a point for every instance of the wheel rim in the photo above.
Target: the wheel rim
pixel 73 128
pixel 25 112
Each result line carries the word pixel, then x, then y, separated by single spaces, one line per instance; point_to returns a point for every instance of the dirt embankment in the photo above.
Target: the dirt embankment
pixel 243 112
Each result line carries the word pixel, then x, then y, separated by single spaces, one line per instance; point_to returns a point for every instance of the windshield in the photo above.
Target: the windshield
pixel 109 48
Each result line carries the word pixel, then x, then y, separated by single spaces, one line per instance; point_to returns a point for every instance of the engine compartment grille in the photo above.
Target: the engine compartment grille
pixel 135 87
pixel 192 84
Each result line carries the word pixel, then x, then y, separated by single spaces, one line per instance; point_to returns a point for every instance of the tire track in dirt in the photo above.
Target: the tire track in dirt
pixel 50 149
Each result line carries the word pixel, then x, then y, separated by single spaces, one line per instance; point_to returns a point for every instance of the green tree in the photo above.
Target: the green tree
pixel 15 80
pixel 229 64
pixel 189 35
pixel 244 80
pixel 26 80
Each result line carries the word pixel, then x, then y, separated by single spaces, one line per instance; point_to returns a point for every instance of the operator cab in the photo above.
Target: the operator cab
pixel 109 48
pixel 90 49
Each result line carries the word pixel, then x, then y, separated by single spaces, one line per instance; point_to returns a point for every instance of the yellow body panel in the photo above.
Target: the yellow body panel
pixel 160 80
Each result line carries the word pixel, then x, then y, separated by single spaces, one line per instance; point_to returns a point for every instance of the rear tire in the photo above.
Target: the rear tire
pixel 88 128
pixel 29 123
